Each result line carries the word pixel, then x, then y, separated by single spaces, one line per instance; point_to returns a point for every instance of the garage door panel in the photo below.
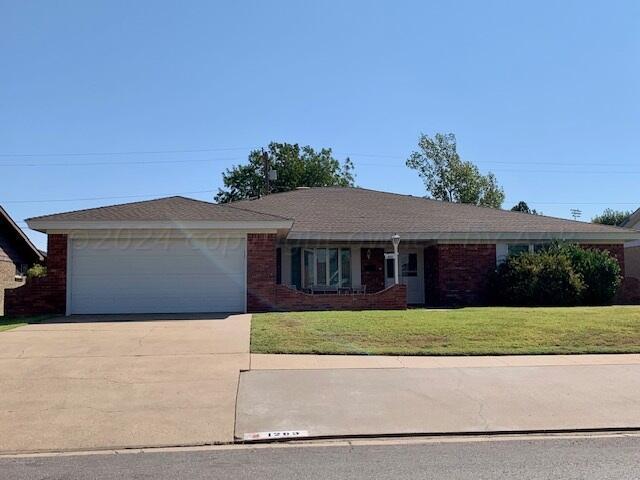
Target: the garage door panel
pixel 160 304
pixel 189 284
pixel 165 276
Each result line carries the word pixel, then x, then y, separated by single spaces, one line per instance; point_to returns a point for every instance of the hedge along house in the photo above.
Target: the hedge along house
pixel 308 249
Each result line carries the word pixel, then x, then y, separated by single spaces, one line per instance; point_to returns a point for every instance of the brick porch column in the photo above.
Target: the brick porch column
pixel 261 272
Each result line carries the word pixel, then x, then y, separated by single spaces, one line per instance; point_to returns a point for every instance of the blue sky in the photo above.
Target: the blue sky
pixel 544 94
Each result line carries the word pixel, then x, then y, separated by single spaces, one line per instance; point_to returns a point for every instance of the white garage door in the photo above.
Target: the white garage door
pixel 157 276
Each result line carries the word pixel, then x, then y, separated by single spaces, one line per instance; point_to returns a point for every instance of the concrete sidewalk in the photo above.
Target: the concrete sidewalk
pixel 377 401
pixel 305 362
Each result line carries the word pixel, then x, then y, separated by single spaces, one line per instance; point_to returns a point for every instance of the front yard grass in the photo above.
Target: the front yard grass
pixel 466 331
pixel 7 323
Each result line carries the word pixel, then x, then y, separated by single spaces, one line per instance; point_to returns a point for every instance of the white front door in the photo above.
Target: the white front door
pixel 411 274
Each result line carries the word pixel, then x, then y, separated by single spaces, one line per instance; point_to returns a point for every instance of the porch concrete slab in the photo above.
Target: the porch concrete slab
pixel 304 362
pixel 439 400
pixel 96 385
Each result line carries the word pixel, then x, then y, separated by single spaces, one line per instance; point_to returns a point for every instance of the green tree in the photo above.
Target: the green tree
pixel 37 271
pixel 449 178
pixel 295 166
pixel 612 217
pixel 522 206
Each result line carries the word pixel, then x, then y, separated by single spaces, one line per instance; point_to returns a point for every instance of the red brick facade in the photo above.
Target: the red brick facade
pixel 458 274
pixel 261 272
pixel 263 294
pixel 455 274
pixel 392 298
pixel 46 294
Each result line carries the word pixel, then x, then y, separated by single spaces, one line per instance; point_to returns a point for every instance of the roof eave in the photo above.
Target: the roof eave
pixel 23 235
pixel 45 226
pixel 613 236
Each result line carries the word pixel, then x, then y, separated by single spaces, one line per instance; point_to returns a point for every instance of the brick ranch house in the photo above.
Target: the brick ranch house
pixel 308 249
pixel 17 254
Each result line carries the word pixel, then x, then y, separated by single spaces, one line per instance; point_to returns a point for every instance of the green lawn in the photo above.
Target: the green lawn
pixel 7 323
pixel 467 331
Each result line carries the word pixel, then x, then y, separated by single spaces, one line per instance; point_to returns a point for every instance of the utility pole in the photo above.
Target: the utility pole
pixel 576 213
pixel 265 166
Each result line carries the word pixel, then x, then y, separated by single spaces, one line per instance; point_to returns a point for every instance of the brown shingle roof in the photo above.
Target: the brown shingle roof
pixel 162 209
pixel 8 247
pixel 326 211
pixel 356 210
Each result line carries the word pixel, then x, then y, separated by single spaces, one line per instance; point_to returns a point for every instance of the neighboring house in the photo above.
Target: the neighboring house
pixel 632 249
pixel 311 248
pixel 17 254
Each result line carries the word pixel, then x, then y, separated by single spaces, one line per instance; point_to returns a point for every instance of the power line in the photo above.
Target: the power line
pixel 126 162
pixel 223 159
pixel 132 152
pixel 211 191
pixel 519 170
pixel 107 198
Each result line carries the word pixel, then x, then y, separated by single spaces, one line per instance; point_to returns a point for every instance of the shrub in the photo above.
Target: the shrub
pixel 37 271
pixel 600 271
pixel 544 278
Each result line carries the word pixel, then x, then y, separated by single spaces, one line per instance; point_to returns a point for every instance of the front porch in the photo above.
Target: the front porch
pixel 284 274
pixel 430 273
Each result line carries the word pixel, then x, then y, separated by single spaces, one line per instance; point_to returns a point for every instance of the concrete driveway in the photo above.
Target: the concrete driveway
pixel 118 381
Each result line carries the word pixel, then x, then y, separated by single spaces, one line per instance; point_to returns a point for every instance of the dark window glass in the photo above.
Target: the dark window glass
pixel 345 266
pixel 321 266
pixel 517 249
pixel 334 272
pixel 296 267
pixel 390 271
pixel 279 266
pixel 540 247
pixel 410 269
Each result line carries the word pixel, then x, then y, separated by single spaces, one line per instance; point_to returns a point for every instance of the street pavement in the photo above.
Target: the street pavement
pixel 604 458
pixel 378 401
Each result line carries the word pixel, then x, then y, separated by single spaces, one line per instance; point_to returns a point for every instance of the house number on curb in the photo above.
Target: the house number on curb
pixel 275 435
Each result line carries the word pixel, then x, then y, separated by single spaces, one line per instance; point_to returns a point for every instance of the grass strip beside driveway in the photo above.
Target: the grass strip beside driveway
pixel 7 323
pixel 466 331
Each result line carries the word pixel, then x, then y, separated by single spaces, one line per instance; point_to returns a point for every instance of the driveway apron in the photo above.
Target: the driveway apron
pixel 117 382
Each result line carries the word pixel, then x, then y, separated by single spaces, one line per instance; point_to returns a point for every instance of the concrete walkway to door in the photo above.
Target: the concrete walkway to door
pixel 121 381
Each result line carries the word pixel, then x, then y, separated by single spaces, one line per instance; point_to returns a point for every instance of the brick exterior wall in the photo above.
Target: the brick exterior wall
pixel 632 262
pixel 372 269
pixel 392 298
pixel 261 272
pixel 46 294
pixel 458 274
pixel 7 279
pixel 264 295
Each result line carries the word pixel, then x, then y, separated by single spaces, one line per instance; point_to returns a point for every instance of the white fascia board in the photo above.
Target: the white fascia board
pixel 620 236
pixel 62 226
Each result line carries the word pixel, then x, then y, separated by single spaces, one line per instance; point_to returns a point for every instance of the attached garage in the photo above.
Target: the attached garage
pixel 170 255
pixel 156 275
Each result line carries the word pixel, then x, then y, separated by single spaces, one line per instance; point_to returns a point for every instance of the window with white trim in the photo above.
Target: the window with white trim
pixel 326 266
pixel 504 250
